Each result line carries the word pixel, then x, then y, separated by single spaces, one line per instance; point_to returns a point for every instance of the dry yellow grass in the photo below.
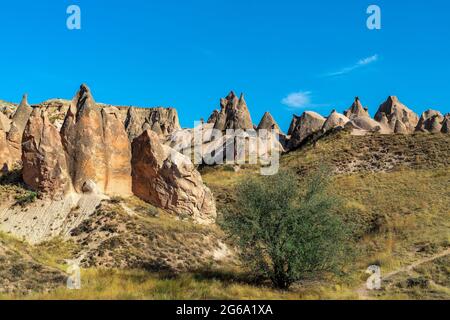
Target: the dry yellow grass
pixel 401 215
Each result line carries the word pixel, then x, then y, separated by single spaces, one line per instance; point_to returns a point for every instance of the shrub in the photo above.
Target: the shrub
pixel 286 230
pixel 26 199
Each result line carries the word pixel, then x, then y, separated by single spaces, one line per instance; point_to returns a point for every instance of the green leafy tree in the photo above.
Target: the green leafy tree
pixel 285 228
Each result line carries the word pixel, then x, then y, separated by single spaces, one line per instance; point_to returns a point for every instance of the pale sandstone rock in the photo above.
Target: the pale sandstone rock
pixel 18 123
pixel 169 180
pixel 97 146
pixel 367 125
pixel 400 127
pixel 43 158
pixel 446 124
pixel 335 120
pixel 302 127
pixel 356 110
pixel 268 123
pixel 233 114
pixel 7 108
pixel 395 111
pixel 56 110
pixel 430 121
pixel 163 121
pixel 5 122
pixel 213 117
pixel 5 157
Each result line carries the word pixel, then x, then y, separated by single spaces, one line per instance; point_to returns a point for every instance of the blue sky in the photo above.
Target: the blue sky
pixel 314 55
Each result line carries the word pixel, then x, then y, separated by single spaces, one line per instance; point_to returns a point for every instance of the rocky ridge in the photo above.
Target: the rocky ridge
pixel 81 147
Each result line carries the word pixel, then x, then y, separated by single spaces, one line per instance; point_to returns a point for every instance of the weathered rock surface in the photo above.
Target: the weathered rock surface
pixel 5 157
pixel 43 158
pixel 168 179
pixel 446 124
pixel 302 127
pixel 213 117
pixel 45 218
pixel 356 110
pixel 335 120
pixel 5 122
pixel 163 121
pixel 19 121
pixel 364 124
pixel 233 114
pixel 430 121
pixel 97 146
pixel 56 110
pixel 395 111
pixel 7 108
pixel 268 123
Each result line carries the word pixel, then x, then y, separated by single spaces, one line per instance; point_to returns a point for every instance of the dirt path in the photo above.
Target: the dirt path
pixel 363 292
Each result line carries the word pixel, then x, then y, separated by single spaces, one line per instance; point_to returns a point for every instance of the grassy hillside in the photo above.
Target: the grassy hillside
pixel 396 191
pixel 397 198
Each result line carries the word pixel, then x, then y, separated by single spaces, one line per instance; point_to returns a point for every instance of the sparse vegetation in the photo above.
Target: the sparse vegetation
pixel 25 199
pixel 398 214
pixel 286 235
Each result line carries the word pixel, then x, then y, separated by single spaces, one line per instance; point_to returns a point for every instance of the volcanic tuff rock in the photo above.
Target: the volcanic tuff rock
pixel 302 127
pixel 5 122
pixel 19 121
pixel 5 160
pixel 335 120
pixel 430 121
pixel 44 162
pixel 268 123
pixel 365 124
pixel 213 117
pixel 163 121
pixel 233 114
pixel 168 179
pixel 56 110
pixel 97 146
pixel 356 110
pixel 446 124
pixel 7 108
pixel 395 111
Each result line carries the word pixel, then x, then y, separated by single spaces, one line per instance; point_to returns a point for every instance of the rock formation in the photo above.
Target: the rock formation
pixel 356 110
pixel 361 123
pixel 18 123
pixel 335 120
pixel 5 160
pixel 56 110
pixel 233 114
pixel 430 121
pixel 268 123
pixel 213 117
pixel 365 124
pixel 395 111
pixel 44 162
pixel 5 122
pixel 400 127
pixel 446 124
pixel 163 121
pixel 7 108
pixel 97 146
pixel 302 127
pixel 168 179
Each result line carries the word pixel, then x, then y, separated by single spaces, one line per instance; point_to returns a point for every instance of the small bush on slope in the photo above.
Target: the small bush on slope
pixel 284 234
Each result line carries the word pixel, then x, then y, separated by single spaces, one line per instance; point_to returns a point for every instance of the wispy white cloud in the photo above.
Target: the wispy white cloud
pixel 361 63
pixel 299 99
